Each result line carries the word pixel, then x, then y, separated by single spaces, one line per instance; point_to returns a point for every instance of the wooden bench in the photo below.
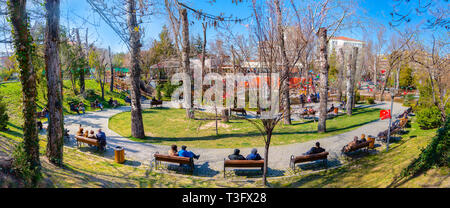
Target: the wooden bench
pixel 239 110
pixel 156 102
pixel 309 158
pixel 242 164
pixel 90 141
pixel 158 158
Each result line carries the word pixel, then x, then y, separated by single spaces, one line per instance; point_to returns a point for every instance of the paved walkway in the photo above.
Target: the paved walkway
pixel 211 160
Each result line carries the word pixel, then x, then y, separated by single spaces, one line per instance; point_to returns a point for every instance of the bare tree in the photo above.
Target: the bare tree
pixel 54 84
pixel 351 70
pixel 323 59
pixel 186 61
pixel 137 125
pixel 436 63
pixel 111 86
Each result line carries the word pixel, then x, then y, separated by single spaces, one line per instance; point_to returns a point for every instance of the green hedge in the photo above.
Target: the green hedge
pixel 3 114
pixel 436 154
pixel 429 118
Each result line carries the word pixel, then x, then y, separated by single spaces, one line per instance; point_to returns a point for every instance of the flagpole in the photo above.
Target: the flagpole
pixel 390 120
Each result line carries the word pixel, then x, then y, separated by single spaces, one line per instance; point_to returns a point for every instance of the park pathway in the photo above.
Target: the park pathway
pixel 211 160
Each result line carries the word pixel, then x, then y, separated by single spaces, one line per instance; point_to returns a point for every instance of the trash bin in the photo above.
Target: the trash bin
pixel 119 154
pixel 372 141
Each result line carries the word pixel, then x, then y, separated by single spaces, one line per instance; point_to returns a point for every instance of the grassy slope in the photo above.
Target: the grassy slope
pixel 168 126
pixel 380 170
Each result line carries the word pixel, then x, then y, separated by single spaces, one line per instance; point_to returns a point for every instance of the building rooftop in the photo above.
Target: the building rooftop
pixel 346 39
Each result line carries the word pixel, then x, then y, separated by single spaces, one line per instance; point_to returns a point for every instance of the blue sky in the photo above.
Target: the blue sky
pixel 376 10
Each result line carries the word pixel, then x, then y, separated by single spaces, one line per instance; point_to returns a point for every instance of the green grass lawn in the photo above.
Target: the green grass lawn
pixel 379 170
pixel 169 126
pixel 12 96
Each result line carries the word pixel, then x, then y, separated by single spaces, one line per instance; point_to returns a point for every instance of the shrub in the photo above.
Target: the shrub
pixel 167 89
pixel 436 154
pixel 429 118
pixel 3 115
pixel 23 168
pixel 90 93
pixel 357 97
pixel 370 100
pixel 75 100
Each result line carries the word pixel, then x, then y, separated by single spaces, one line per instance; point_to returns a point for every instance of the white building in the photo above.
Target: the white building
pixel 336 43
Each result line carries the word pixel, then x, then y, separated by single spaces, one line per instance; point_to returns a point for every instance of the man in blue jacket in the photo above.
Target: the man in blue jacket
pixel 184 153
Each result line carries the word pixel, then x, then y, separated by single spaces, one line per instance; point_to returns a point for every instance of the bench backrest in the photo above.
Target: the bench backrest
pixel 87 140
pixel 306 158
pixel 243 163
pixel 174 159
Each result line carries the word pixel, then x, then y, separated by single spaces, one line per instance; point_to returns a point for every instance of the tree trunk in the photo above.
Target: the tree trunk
pixel 23 41
pixel 375 78
pixel 285 64
pixel 80 55
pixel 350 84
pixel 186 63
pixel 341 74
pixel 323 59
pixel 266 158
pixel 111 86
pixel 83 72
pixel 137 126
pixel 54 84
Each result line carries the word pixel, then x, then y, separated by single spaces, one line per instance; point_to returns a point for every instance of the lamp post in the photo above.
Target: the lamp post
pixel 393 91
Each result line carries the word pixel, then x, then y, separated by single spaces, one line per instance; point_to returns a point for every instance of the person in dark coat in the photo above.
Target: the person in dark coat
pixel 316 149
pixel 236 155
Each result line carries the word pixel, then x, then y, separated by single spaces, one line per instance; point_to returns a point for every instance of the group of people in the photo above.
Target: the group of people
pixel 182 153
pixel 252 156
pixel 100 136
pixel 308 111
pixel 113 103
pixel 310 98
pixel 78 107
pixel 353 143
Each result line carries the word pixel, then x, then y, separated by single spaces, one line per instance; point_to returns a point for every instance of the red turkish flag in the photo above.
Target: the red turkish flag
pixel 385 114
pixel 382 71
pixel 370 89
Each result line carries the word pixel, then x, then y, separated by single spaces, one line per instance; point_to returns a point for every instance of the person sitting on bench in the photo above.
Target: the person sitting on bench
pixel 74 107
pixel 173 150
pixel 45 112
pixel 101 137
pixel 363 139
pixel 80 132
pixel 86 133
pixel 39 125
pixel 236 155
pixel 331 109
pixel 315 150
pixel 350 145
pixel 184 153
pixel 127 99
pixel 110 101
pixel 254 155
pixel 92 135
pixel 81 107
